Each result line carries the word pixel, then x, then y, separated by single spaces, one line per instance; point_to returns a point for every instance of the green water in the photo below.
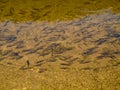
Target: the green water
pixel 52 10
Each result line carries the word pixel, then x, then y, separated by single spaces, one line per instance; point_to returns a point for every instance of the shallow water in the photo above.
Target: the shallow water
pixel 52 10
pixel 42 54
pixel 90 36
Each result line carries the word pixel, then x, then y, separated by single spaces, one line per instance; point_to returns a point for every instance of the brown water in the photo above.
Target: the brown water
pixel 84 50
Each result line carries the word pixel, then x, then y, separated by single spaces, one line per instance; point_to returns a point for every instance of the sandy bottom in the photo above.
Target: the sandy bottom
pixel 72 55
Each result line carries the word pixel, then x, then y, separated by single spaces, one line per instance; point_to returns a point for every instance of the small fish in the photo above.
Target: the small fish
pixel 28 63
